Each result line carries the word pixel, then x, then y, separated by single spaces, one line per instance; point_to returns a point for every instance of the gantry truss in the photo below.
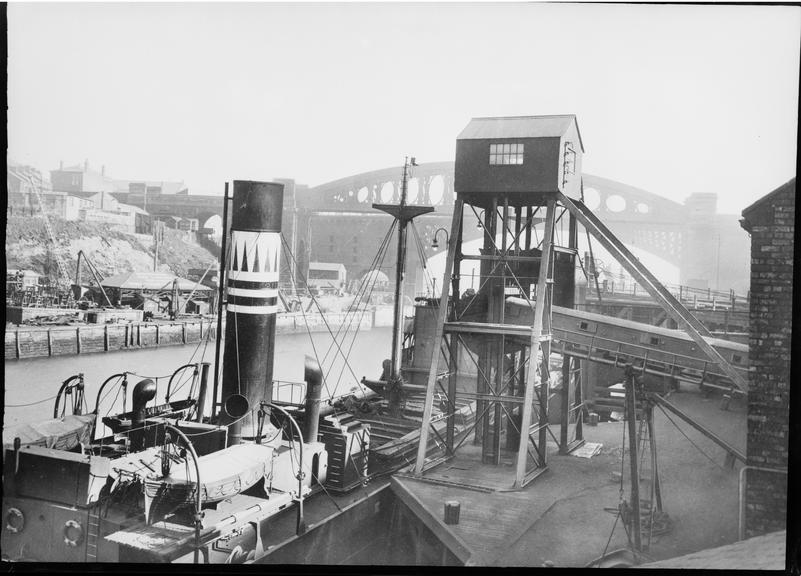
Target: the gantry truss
pixel 513 382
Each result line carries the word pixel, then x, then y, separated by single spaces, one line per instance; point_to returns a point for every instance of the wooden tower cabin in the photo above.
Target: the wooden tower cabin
pixel 518 333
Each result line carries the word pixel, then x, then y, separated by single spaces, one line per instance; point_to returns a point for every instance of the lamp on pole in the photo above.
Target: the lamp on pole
pixel 435 243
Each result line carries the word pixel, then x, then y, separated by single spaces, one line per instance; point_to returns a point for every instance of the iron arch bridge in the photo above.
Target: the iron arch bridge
pixel 330 222
pixel 654 223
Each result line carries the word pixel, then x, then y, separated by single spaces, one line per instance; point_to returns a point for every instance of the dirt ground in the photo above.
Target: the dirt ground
pixel 699 492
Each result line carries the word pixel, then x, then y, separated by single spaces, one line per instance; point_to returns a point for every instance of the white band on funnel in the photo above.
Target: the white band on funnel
pixel 253 272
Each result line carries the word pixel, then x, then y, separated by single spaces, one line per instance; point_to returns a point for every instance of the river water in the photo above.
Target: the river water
pixel 29 383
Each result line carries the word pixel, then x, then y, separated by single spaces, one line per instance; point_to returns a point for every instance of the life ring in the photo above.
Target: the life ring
pixel 15 521
pixel 73 533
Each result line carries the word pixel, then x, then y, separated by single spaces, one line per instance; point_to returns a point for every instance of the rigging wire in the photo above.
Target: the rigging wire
pixel 358 327
pixel 690 440
pixel 360 298
pixel 31 403
pixel 319 309
pixel 303 312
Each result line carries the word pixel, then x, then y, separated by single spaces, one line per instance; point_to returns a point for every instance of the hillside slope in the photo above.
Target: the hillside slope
pixel 111 250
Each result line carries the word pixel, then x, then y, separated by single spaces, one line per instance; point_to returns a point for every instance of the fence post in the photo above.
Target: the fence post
pixel 157 335
pixel 183 332
pixel 49 343
pixel 17 342
pixel 78 339
pixel 105 337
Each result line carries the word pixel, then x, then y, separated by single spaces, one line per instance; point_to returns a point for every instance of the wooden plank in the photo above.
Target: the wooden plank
pixel 454 543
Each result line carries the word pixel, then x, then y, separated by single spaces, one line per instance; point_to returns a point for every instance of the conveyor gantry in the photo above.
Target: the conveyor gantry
pixel 614 341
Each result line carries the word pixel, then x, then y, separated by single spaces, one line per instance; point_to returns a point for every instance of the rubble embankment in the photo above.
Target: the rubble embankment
pixel 111 249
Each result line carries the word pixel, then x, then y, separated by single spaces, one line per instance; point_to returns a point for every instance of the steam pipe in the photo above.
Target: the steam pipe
pixel 314 379
pixel 220 294
pixel 204 384
pixel 144 391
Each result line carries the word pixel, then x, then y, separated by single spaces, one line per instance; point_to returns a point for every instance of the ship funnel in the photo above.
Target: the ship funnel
pixel 314 380
pixel 252 287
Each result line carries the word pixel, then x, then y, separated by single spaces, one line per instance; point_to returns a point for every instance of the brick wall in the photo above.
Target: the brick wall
pixel 771 222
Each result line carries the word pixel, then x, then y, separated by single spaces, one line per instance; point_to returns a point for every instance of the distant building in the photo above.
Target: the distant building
pixel 21 197
pixel 188 224
pixel 326 276
pixel 81 178
pixel 106 192
pixel 771 223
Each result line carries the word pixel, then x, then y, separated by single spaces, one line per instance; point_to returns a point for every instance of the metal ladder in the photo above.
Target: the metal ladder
pixel 92 532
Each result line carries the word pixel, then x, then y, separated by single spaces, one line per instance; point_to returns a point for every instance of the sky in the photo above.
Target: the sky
pixel 673 99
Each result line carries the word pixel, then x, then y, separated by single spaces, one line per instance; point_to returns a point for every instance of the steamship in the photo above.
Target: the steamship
pixel 165 482
pixel 283 475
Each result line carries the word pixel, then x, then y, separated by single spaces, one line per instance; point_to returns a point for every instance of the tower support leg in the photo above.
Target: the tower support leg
pixel 439 331
pixel 521 476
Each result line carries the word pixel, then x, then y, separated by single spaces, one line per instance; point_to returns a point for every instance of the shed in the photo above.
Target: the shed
pixel 152 281
pixel 519 156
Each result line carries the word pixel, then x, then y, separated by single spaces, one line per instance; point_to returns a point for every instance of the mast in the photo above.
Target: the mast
pixel 403 214
pixel 400 276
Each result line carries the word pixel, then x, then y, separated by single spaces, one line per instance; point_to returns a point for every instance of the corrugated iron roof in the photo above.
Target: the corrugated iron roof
pixel 327 265
pixel 759 553
pixel 519 127
pixel 150 281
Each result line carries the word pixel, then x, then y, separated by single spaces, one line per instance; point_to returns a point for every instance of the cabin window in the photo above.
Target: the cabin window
pixel 506 154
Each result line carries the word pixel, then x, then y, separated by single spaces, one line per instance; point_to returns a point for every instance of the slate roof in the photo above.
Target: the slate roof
pixel 765 552
pixel 519 127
